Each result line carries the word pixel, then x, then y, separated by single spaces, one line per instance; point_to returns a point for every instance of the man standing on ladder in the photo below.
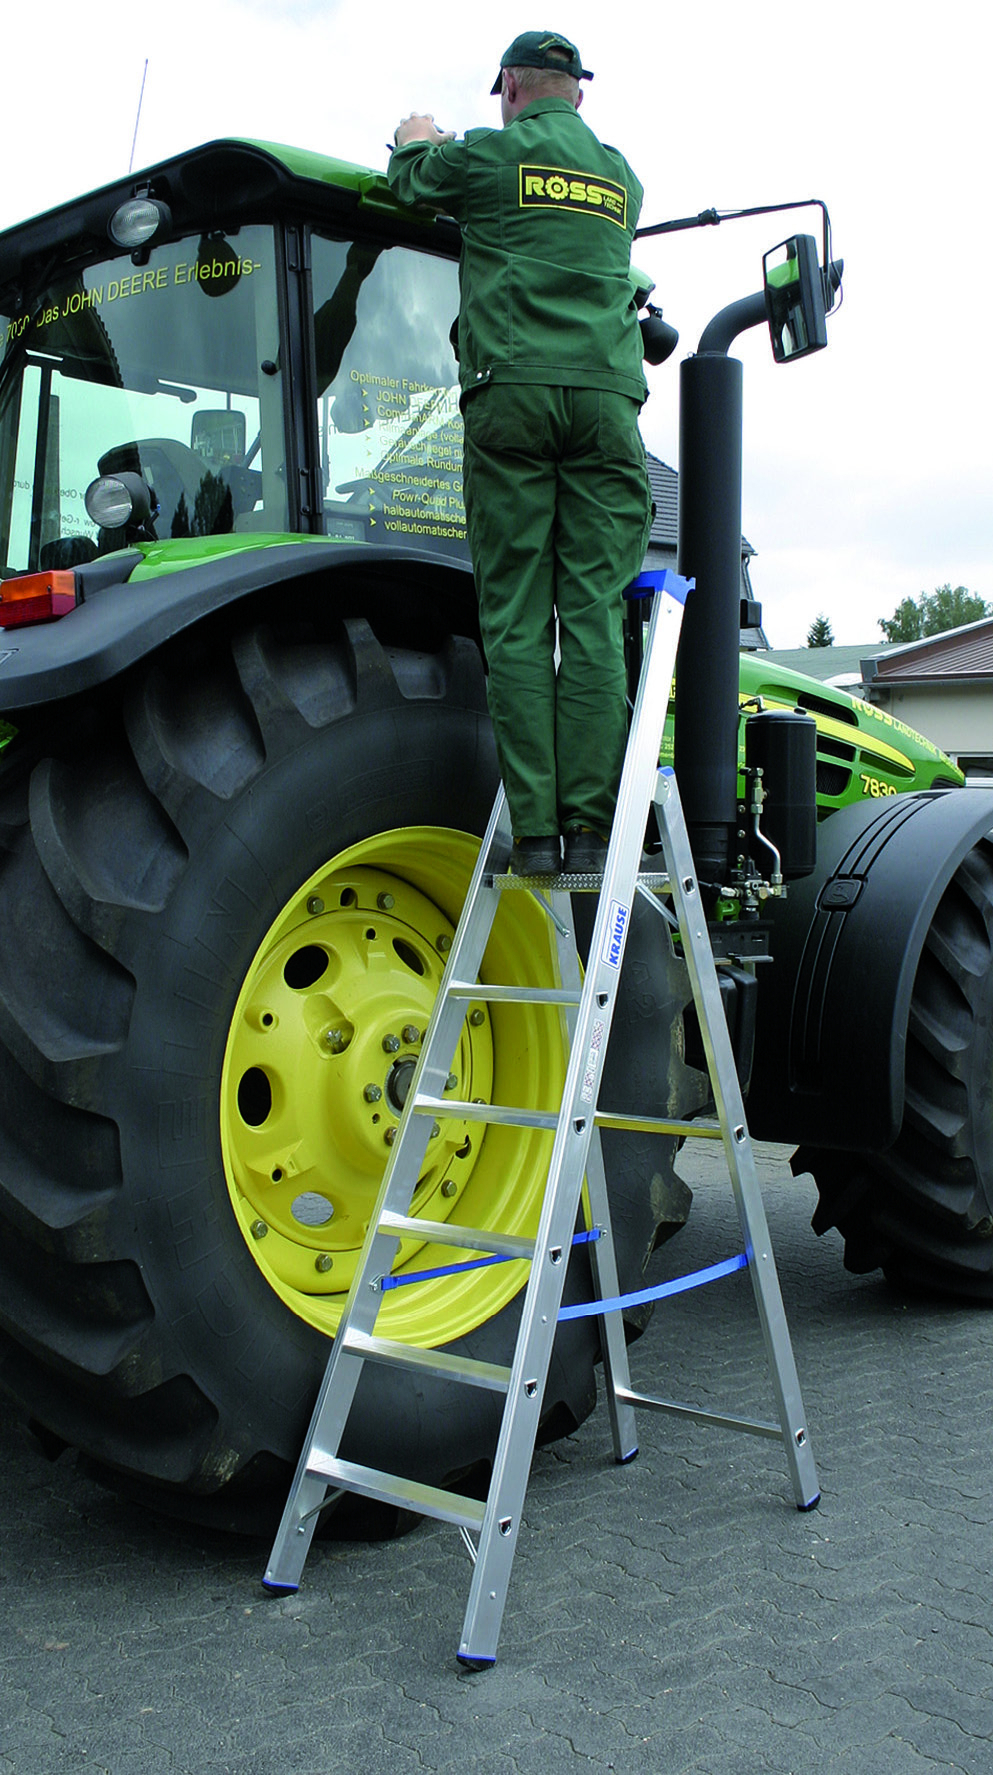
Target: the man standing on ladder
pixel 556 491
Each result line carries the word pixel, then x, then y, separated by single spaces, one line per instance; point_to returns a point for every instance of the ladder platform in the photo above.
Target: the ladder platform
pixel 451 1232
pixel 393 1488
pixel 435 1363
pixel 653 880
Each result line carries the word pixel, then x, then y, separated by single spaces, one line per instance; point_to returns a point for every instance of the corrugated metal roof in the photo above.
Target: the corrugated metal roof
pixel 823 663
pixel 959 653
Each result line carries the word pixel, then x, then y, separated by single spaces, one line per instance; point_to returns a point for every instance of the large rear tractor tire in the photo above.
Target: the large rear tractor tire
pixel 227 901
pixel 923 1210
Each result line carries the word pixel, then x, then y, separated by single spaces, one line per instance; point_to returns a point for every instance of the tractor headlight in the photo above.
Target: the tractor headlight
pixel 139 218
pixel 118 502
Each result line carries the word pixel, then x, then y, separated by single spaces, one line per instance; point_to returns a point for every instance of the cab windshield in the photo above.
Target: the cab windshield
pixel 168 369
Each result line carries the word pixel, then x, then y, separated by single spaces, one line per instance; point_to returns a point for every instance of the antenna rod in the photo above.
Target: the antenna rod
pixel 137 120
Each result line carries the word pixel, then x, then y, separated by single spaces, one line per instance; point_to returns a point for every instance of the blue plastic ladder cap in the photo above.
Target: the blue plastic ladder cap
pixel 276 1589
pixel 470 1663
pixel 660 579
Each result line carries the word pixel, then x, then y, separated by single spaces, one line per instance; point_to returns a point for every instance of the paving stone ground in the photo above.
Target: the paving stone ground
pixel 674 1617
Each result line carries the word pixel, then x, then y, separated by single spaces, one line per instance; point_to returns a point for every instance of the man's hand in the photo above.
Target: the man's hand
pixel 417 128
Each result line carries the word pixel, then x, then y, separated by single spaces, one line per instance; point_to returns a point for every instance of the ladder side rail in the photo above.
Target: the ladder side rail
pixel 341 1376
pixel 606 1286
pixel 543 1295
pixel 409 1149
pixel 596 1212
pixel 336 1393
pixel 740 1158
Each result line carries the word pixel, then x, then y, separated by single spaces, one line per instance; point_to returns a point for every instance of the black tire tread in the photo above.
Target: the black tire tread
pixel 923 1210
pixel 97 848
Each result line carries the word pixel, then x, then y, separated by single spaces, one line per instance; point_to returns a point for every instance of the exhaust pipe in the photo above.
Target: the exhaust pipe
pixel 706 704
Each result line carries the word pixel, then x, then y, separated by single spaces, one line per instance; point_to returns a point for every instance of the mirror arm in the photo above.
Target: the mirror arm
pixel 719 333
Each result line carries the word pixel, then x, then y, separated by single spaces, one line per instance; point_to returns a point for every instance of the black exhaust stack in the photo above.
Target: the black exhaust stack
pixel 706 709
pixel 706 740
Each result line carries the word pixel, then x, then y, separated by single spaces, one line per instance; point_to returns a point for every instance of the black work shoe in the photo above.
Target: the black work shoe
pixel 536 856
pixel 585 852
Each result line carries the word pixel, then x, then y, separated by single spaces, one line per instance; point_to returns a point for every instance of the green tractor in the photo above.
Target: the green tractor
pixel 246 760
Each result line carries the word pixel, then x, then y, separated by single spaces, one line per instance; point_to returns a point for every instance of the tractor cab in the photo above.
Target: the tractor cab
pixel 170 373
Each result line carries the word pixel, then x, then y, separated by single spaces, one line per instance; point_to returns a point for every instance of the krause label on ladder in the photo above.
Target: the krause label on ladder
pixel 592 1062
pixel 616 926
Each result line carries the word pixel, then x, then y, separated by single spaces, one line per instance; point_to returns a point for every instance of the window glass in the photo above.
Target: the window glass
pixel 156 369
pixel 388 406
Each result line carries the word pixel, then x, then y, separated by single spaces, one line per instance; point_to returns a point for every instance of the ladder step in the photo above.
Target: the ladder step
pixel 489 1375
pixel 503 1115
pixel 392 1488
pixel 449 1232
pixel 657 1125
pixel 514 995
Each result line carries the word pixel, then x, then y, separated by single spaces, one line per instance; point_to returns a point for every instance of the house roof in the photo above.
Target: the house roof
pixel 827 664
pixel 957 654
pixel 664 483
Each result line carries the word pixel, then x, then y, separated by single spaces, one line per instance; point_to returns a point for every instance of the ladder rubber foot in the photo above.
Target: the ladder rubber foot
pixel 625 1460
pixel 469 1663
pixel 803 1508
pixel 276 1589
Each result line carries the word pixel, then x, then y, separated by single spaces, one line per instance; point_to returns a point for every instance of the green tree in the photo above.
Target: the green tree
pixel 932 613
pixel 819 633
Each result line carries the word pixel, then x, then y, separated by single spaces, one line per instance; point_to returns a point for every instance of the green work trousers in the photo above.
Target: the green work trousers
pixel 559 510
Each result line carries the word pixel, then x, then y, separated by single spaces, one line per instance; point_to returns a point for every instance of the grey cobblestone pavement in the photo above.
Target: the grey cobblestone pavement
pixel 677 1616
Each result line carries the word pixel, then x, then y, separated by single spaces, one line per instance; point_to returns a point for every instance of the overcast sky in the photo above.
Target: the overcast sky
pixel 868 468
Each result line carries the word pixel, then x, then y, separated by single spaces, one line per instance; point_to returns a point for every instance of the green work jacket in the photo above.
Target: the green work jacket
pixel 548 215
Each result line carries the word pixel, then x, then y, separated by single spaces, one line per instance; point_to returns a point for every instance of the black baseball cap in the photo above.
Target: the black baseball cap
pixel 542 49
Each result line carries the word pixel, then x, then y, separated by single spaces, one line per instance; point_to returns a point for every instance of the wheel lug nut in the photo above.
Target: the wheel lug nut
pixel 336 1040
pixel 259 1229
pixel 315 904
pixel 390 1136
pixel 411 1034
pixel 372 1093
pixel 451 1082
pixel 475 1018
pixel 435 1130
pixel 323 1262
pixel 444 943
pixel 391 1044
pixel 449 1187
pixel 385 902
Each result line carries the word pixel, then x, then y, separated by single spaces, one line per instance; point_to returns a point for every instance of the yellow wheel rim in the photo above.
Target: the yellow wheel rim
pixel 322 1046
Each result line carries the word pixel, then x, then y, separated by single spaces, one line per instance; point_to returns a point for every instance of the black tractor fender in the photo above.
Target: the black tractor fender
pixel 120 619
pixel 833 1004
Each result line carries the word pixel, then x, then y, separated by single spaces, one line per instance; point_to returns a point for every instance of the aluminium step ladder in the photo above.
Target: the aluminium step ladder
pixel 586 1005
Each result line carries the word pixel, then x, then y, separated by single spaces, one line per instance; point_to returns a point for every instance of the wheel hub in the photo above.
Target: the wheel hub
pixel 323 1047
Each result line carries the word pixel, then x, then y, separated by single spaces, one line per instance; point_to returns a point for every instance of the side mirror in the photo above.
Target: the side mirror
pixel 219 436
pixel 794 298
